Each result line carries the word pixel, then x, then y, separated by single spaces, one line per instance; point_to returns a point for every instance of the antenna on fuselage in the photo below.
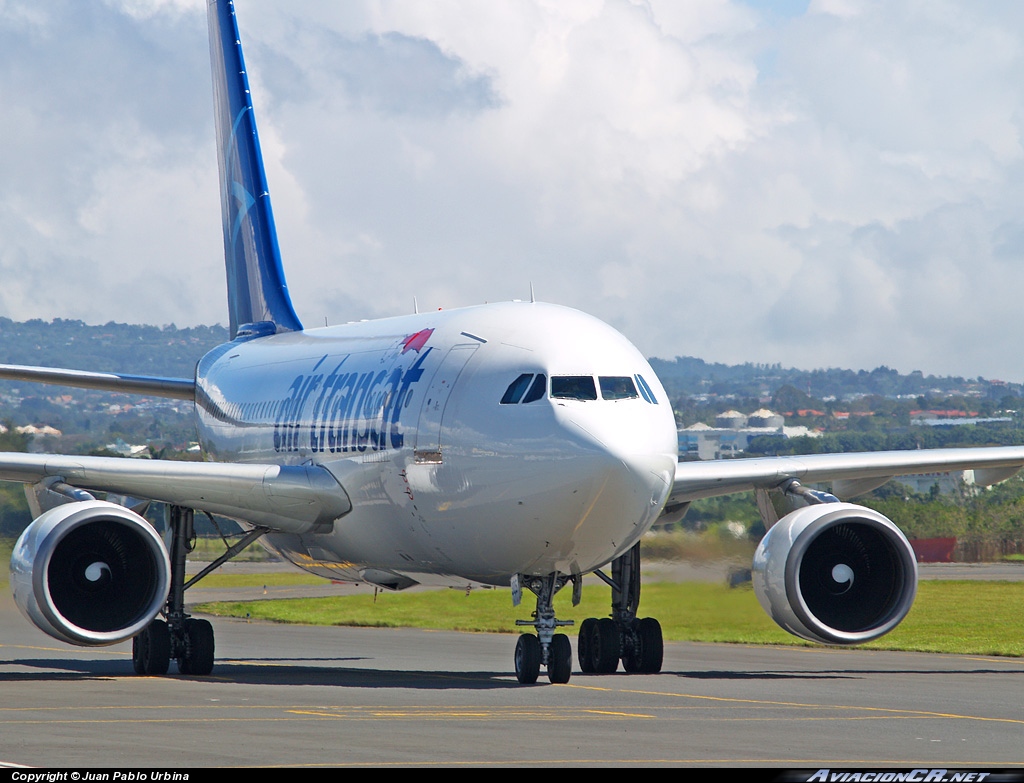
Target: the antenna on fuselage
pixel 415 306
pixel 532 297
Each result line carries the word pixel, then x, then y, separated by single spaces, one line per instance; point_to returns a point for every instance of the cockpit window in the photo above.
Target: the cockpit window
pixel 538 390
pixel 516 389
pixel 645 390
pixel 614 387
pixel 573 387
pixel 530 387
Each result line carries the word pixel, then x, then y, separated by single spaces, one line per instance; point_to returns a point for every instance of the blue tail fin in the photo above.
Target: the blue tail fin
pixel 257 292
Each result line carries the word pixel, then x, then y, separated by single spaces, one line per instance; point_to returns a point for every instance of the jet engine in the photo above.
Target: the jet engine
pixel 90 573
pixel 836 573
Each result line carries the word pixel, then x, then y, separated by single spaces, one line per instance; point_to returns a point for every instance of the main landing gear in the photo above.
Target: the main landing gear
pixel 547 648
pixel 186 639
pixel 636 642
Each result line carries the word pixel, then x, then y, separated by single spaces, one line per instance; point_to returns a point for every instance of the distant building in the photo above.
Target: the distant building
pixel 129 449
pixel 730 420
pixel 700 441
pixel 765 419
pixel 951 483
pixel 37 445
pixel 952 418
pixel 35 432
pixel 703 442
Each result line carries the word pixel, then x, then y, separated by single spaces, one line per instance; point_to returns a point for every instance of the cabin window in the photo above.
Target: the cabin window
pixel 573 387
pixel 615 387
pixel 516 389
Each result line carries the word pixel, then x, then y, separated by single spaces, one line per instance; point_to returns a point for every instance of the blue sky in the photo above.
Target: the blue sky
pixel 832 183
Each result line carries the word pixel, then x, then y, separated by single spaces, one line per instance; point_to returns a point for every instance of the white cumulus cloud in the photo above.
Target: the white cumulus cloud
pixel 830 183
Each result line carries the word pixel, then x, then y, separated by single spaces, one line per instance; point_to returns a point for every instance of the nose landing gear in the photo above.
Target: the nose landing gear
pixel 547 648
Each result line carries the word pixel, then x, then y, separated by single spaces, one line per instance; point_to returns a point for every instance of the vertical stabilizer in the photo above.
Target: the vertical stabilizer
pixel 257 292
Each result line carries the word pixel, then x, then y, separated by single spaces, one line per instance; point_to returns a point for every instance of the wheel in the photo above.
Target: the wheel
pixel 198 657
pixel 605 646
pixel 651 644
pixel 560 659
pixel 199 647
pixel 583 645
pixel 527 659
pixel 151 649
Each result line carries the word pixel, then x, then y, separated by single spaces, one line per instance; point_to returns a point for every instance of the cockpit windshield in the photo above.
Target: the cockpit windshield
pixel 573 387
pixel 530 387
pixel 514 393
pixel 617 387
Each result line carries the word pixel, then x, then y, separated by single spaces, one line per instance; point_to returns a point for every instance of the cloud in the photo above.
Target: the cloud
pixel 397 74
pixel 818 184
pixel 147 9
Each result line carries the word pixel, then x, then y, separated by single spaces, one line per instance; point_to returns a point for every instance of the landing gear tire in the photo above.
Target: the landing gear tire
pixel 199 647
pixel 605 646
pixel 559 659
pixel 151 649
pixel 583 645
pixel 528 659
pixel 651 646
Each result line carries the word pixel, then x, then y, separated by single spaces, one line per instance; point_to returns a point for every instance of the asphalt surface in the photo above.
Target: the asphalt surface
pixel 304 696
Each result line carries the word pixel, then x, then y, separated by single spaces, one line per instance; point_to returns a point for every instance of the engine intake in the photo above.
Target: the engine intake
pixel 836 573
pixel 90 573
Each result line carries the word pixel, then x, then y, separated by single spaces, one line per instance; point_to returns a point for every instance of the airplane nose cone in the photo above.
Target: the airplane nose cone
pixel 631 456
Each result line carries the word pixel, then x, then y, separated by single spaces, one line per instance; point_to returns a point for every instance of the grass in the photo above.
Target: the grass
pixel 970 617
pixel 275 579
pixel 6 546
pixel 688 611
pixel 977 618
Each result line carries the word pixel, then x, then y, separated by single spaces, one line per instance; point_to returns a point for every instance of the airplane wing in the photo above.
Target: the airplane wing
pixel 830 571
pixel 292 499
pixel 850 474
pixel 287 498
pixel 175 388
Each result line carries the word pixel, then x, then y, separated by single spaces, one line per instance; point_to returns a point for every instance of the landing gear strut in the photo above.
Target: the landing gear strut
pixel 637 643
pixel 547 648
pixel 181 637
pixel 186 639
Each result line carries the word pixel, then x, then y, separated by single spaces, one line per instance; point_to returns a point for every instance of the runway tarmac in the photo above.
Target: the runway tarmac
pixel 304 696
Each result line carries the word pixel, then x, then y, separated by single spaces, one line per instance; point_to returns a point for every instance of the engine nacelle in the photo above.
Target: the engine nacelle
pixel 836 573
pixel 90 573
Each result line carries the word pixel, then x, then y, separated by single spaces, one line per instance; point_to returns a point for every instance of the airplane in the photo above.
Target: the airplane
pixel 516 444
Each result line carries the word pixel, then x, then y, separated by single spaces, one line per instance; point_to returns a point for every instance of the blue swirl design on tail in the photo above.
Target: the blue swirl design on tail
pixel 257 292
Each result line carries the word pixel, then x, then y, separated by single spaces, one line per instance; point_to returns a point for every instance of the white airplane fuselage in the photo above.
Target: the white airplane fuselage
pixel 449 483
